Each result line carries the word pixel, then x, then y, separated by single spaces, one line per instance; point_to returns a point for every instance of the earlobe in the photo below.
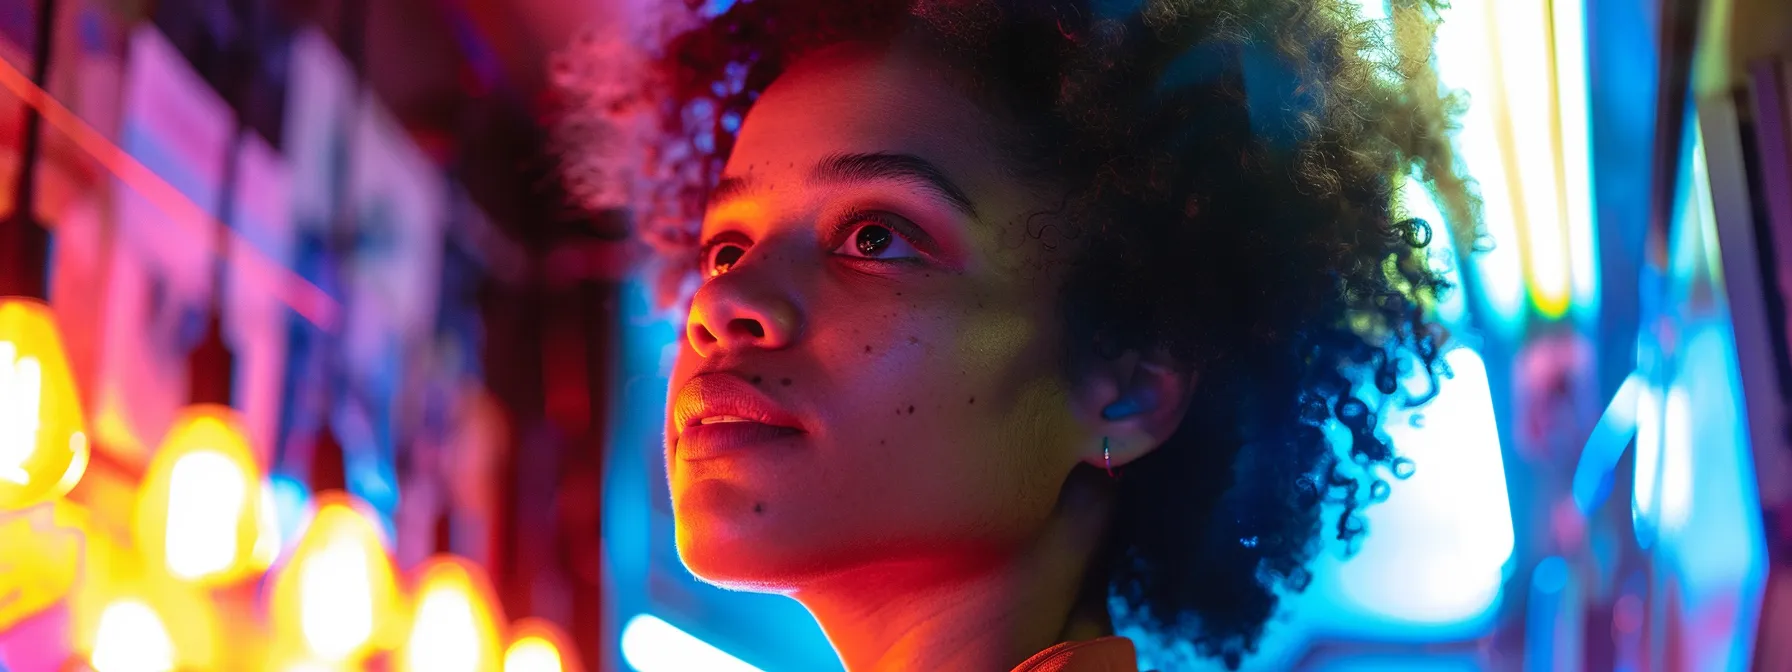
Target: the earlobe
pixel 1131 401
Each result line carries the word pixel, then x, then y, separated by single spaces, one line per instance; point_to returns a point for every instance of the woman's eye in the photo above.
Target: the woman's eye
pixel 871 239
pixel 721 256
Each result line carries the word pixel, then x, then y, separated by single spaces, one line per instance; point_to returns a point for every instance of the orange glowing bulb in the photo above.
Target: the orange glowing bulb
pixel 336 595
pixel 43 435
pixel 200 508
pixel 539 646
pixel 454 628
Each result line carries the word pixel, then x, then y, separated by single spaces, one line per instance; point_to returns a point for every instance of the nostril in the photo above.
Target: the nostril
pixel 701 334
pixel 750 327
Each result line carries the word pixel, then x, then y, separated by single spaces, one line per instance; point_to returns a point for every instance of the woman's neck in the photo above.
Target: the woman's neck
pixel 939 615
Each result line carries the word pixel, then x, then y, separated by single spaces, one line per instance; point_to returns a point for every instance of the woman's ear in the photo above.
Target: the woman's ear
pixel 1134 402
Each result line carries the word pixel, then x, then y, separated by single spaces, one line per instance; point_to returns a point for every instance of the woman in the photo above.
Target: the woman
pixel 1023 323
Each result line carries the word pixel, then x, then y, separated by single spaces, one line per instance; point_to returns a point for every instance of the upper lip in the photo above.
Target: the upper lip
pixel 711 395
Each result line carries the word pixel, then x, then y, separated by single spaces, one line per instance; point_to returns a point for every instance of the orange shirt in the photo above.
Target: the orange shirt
pixel 1105 654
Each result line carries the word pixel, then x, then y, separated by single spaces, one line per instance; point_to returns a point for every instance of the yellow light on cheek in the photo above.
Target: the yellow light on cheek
pixel 131 638
pixel 43 442
pixel 532 654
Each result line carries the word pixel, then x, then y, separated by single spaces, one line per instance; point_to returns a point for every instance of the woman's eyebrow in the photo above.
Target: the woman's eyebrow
pixel 895 167
pixel 728 189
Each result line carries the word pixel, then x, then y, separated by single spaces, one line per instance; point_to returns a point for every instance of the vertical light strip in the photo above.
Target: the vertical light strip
pixel 1528 77
pixel 1466 53
pixel 1577 150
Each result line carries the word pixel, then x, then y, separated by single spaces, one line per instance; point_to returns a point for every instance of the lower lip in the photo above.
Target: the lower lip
pixel 702 442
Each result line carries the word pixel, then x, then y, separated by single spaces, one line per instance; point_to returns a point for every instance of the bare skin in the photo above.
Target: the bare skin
pixel 871 412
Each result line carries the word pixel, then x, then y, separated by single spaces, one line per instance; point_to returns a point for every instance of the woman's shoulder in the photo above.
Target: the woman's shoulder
pixel 1105 654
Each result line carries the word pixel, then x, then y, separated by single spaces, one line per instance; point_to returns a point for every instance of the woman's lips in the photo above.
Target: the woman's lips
pixel 718 413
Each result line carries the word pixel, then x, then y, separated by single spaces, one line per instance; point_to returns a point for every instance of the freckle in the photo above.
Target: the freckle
pixel 911 410
pixel 973 400
pixel 881 442
pixel 785 382
pixel 912 340
pixel 758 507
pixel 867 348
pixel 899 293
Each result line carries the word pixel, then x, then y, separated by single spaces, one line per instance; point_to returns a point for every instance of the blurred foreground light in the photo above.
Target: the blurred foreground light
pixel 537 646
pixel 40 559
pixel 1437 554
pixel 268 539
pixel 335 595
pixel 200 509
pixel 532 654
pixel 43 435
pixel 454 629
pixel 652 645
pixel 131 638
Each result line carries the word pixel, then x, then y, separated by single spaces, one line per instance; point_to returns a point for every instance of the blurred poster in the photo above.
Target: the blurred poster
pixel 369 209
pixel 399 202
pixel 320 104
pixel 400 206
pixel 160 276
pixel 262 217
pixel 320 109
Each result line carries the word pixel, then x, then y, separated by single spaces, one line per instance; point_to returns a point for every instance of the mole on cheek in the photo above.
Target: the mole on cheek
pixel 867 348
pixel 758 507
pixel 756 380
pixel 785 382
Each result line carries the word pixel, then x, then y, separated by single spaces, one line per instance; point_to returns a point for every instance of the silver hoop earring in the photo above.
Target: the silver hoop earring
pixel 1107 457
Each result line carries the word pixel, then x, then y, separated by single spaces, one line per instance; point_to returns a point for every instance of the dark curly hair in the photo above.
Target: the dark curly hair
pixel 1229 171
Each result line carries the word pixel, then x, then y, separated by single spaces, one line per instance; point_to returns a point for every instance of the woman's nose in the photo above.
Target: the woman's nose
pixel 739 310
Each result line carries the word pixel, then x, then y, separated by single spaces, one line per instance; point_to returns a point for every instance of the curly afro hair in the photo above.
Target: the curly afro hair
pixel 1229 171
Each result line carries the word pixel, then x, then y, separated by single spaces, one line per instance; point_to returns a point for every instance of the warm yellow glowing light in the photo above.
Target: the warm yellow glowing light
pixel 131 638
pixel 204 499
pixel 532 654
pixel 1528 77
pixel 199 510
pixel 335 597
pixel 336 606
pixel 539 646
pixel 1572 94
pixel 43 440
pixel 1525 140
pixel 454 629
pixel 40 559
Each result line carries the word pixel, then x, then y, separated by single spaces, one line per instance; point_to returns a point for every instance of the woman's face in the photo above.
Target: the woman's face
pixel 873 369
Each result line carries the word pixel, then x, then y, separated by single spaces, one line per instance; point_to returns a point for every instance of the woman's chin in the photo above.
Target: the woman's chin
pixel 739 561
pixel 730 538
